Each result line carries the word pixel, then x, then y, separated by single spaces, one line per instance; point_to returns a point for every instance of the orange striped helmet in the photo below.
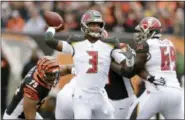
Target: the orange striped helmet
pixel 48 69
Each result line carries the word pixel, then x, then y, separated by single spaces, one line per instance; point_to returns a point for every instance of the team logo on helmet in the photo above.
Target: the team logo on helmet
pixel 86 17
pixel 148 27
pixel 92 16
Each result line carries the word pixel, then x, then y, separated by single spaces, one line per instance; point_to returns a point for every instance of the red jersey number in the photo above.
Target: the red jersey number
pixel 168 58
pixel 93 61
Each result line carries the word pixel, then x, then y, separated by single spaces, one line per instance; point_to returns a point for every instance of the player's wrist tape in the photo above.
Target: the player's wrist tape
pixel 156 81
pixel 51 29
pixel 149 76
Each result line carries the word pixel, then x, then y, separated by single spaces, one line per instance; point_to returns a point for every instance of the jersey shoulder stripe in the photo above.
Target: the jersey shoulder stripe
pixel 30 93
pixel 31 88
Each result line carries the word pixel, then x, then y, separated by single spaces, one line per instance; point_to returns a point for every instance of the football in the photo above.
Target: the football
pixel 53 19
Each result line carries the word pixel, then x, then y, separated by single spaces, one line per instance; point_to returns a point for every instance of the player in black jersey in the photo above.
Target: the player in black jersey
pixel 120 93
pixel 33 89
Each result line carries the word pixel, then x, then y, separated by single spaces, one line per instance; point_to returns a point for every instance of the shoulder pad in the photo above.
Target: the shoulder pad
pixel 75 38
pixel 142 47
pixel 112 41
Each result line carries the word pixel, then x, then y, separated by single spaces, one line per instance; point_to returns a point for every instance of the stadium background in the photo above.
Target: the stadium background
pixel 23 27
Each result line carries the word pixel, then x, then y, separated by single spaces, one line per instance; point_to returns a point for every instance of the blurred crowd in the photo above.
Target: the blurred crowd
pixel 119 16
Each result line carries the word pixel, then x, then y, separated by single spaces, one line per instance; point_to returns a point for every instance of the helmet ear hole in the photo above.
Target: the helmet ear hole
pixel 101 25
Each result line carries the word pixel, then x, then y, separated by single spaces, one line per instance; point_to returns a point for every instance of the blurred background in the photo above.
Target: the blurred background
pixel 23 27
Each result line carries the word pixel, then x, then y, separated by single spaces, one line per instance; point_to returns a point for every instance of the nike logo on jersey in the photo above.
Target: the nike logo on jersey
pixel 121 108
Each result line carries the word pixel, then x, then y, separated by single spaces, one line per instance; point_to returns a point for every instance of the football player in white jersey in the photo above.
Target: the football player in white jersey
pixel 92 58
pixel 119 90
pixel 164 95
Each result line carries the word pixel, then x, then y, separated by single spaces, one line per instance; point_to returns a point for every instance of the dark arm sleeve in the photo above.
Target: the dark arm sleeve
pixel 50 40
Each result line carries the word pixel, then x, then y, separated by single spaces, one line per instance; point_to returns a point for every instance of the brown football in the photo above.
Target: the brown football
pixel 53 19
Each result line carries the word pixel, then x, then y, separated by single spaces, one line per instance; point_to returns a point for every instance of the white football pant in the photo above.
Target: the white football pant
pixel 89 104
pixel 122 106
pixel 64 105
pixel 167 101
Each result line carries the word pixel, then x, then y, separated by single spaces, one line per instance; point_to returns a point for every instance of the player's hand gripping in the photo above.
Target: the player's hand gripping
pixel 156 81
pixel 59 28
pixel 51 32
pixel 127 50
pixel 129 53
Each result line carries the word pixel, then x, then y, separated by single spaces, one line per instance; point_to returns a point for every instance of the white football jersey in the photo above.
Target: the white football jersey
pixel 92 62
pixel 163 60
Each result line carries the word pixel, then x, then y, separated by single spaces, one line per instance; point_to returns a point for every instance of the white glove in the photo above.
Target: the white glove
pixel 130 55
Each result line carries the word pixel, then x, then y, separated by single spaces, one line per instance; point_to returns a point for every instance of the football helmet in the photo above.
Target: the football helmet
pixel 92 16
pixel 148 28
pixel 48 70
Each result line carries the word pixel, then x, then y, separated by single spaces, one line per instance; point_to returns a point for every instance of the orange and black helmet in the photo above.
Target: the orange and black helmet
pixel 48 69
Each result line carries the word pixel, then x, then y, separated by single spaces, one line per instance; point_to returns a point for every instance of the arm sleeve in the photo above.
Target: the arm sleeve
pixel 67 48
pixel 51 42
pixel 49 38
pixel 118 57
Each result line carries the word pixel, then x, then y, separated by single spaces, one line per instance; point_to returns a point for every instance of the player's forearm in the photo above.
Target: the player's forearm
pixel 29 109
pixel 152 79
pixel 126 70
pixel 122 70
pixel 116 67
pixel 30 115
pixel 51 41
pixel 144 74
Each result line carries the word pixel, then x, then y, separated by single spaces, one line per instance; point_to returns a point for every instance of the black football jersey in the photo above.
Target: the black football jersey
pixel 118 87
pixel 33 88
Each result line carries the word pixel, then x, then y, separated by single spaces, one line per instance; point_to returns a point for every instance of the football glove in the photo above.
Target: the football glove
pixel 156 81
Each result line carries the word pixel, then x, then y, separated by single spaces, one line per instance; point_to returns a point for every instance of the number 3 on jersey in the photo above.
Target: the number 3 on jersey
pixel 168 58
pixel 93 62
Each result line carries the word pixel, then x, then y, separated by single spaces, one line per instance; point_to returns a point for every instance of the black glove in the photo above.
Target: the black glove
pixel 155 81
